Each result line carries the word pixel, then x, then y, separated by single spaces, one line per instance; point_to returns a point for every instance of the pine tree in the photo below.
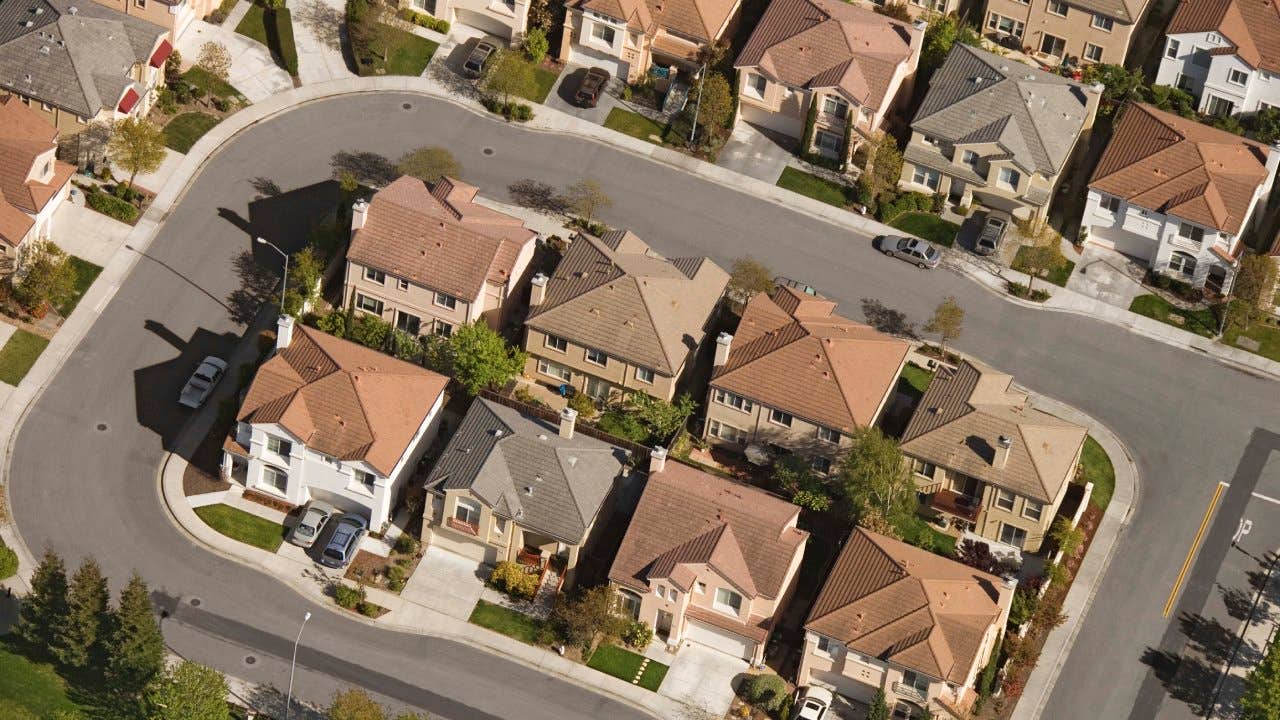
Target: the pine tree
pixel 137 647
pixel 45 609
pixel 1261 699
pixel 79 639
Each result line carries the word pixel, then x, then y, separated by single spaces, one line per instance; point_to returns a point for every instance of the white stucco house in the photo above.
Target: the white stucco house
pixel 1223 52
pixel 506 19
pixel 1178 195
pixel 328 419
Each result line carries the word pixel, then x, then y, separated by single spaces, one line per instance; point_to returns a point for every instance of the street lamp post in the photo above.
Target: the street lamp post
pixel 284 282
pixel 305 617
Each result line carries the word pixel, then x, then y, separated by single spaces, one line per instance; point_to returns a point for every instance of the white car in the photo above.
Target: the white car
pixel 814 703
pixel 202 382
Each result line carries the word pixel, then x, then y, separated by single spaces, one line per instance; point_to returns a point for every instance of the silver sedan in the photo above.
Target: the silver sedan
pixel 915 251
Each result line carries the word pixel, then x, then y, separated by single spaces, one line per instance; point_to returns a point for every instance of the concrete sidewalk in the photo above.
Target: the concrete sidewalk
pixel 317 31
pixel 253 72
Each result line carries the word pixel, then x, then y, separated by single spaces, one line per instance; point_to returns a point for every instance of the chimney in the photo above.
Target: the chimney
pixel 568 419
pixel 724 343
pixel 359 214
pixel 658 459
pixel 1092 96
pixel 284 332
pixel 1003 445
pixel 538 290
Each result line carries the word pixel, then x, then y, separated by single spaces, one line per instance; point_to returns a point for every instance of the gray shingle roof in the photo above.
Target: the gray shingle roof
pixel 521 468
pixel 977 96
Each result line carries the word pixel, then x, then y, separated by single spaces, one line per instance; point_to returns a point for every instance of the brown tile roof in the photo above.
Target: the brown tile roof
pixel 616 294
pixel 343 399
pixel 899 603
pixel 700 20
pixel 1251 26
pixel 794 353
pixel 439 237
pixel 1169 164
pixel 687 517
pixel 24 137
pixel 961 417
pixel 828 44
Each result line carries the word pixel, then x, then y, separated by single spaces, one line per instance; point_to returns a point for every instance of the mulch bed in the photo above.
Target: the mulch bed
pixel 198 482
pixel 370 569
pixel 268 501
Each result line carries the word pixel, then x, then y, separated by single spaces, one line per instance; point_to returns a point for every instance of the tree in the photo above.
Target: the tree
pixel 1066 536
pixel 875 479
pixel 591 612
pixel 190 691
pixel 509 74
pixel 1228 123
pixel 404 346
pixel 895 10
pixel 215 59
pixel 173 68
pixel 305 272
pixel 766 691
pixel 45 609
pixel 1038 259
pixel 947 321
pixel 881 179
pixel 712 54
pixel 137 146
pixel 978 555
pixel 355 704
pixel 943 32
pixel 47 275
pixel 661 418
pixel 1254 289
pixel 136 649
pixel 1261 699
pixel 879 710
pixel 1174 100
pixel 747 278
pixel 1265 125
pixel 429 164
pixel 585 198
pixel 795 476
pixel 1119 84
pixel 78 641
pixel 715 105
pixel 536 45
pixel 482 359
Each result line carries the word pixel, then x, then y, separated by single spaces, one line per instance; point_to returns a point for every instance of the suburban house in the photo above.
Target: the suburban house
pixel 916 625
pixel 844 63
pixel 1224 52
pixel 175 16
pixel 707 560
pixel 33 183
pixel 513 486
pixel 799 378
pixel 986 462
pixel 629 37
pixel 506 19
pixel 617 316
pixel 430 258
pixel 1086 31
pixel 1177 195
pixel 75 63
pixel 995 132
pixel 331 420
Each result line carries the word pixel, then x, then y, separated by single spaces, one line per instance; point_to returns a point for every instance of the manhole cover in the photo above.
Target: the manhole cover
pixel 406 106
pixel 195 602
pixel 487 151
pixel 250 660
pixel 102 427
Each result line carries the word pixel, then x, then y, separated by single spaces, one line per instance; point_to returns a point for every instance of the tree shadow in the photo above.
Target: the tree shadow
pixel 886 319
pixel 258 284
pixel 322 21
pixel 265 186
pixel 368 168
pixel 1239 603
pixel 538 196
pixel 1192 675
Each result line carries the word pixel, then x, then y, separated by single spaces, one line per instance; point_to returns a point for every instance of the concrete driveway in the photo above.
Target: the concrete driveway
pixel 756 152
pixel 446 582
pixel 1107 276
pixel 87 234
pixel 703 678
pixel 561 96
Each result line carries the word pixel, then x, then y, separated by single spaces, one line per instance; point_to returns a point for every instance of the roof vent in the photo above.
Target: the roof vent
pixel 542 436
pixel 935 410
pixel 44 49
pixel 497 432
pixel 528 489
pixel 466 451
pixel 73 9
pixel 573 461
pixel 537 478
pixel 27 77
pixel 28 23
pixel 38 11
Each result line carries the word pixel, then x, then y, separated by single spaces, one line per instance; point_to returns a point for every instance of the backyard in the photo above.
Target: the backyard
pixel 625 665
pixel 635 125
pixel 19 354
pixel 1201 322
pixel 914 380
pixel 928 227
pixel 240 525
pixel 815 187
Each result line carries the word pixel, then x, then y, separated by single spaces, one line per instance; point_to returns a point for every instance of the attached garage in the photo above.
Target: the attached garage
pixel 776 121
pixel 483 22
pixel 345 504
pixel 591 58
pixel 722 640
pixel 1127 243
pixel 459 544
pixel 843 685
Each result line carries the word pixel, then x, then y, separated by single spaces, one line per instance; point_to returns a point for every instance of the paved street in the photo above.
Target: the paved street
pixel 1187 420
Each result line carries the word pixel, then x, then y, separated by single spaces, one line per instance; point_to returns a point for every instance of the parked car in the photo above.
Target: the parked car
pixel 345 541
pixel 202 382
pixel 783 280
pixel 992 232
pixel 316 515
pixel 813 703
pixel 915 251
pixel 478 58
pixel 593 84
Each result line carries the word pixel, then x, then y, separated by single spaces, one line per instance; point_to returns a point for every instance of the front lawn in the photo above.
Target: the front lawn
pixel 506 621
pixel 1058 276
pixel 183 131
pixel 19 354
pixel 634 124
pixel 407 54
pixel 240 525
pixel 211 84
pixel 273 28
pixel 86 273
pixel 624 664
pixel 928 227
pixel 1266 335
pixel 816 187
pixel 1095 467
pixel 31 690
pixel 914 380
pixel 543 79
pixel 1200 322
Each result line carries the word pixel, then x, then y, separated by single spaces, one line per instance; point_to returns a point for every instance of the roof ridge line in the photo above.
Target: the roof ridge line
pixel 648 313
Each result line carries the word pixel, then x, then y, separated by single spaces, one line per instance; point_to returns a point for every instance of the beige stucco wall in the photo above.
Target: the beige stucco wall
pixel 488 545
pixel 416 300
pixel 1076 28
pixel 174 19
pixel 618 373
pixel 801 437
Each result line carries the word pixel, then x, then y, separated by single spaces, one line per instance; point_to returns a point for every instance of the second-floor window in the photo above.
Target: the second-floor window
pixel 558 344
pixel 824 645
pixel 1237 77
pixel 644 375
pixel 1171 48
pixel 597 357
pixel 1194 233
pixel 368 304
pixel 756 84
pixel 280 447
pixel 835 106
pixel 1092 53
pixel 376 276
pixel 1032 510
pixel 1004 499
pixel 467 511
pixel 1057 7
pixel 727 601
pixel 1110 203
pixel 1103 22
pixel 602 33
pixel 737 402
pixel 778 417
pixel 920 467
pixel 828 435
pixel 402 284
pixel 446 301
pixel 366 478
pixel 970 158
pixel 1009 178
pixel 916 681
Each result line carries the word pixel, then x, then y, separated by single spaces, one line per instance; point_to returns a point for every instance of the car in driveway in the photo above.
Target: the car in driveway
pixel 479 57
pixel 992 233
pixel 813 703
pixel 913 250
pixel 202 382
pixel 316 515
pixel 591 87
pixel 344 542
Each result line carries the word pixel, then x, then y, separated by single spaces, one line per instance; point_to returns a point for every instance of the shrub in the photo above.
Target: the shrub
pixel 511 579
pixel 1180 289
pixel 536 45
pixel 1067 538
pixel 583 404
pixel 765 691
pixel 1023 607
pixel 438 24
pixel 280 25
pixel 347 596
pixel 222 104
pixel 521 112
pixel 368 609
pixel 165 101
pixel 406 544
pixel 638 634
pixel 8 562
pixel 1017 289
pixel 112 206
pixel 396 578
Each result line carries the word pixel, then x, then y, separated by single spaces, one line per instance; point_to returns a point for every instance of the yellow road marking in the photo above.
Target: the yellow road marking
pixel 1195 544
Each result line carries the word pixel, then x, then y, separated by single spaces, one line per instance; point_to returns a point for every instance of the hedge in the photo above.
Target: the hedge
pixel 8 562
pixel 426 21
pixel 111 206
pixel 279 27
pixel 906 202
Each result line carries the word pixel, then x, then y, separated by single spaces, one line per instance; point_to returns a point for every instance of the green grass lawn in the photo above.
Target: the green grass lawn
pixel 922 534
pixel 508 622
pixel 815 187
pixel 1200 322
pixel 258 25
pixel 31 690
pixel 407 54
pixel 19 354
pixel 927 226
pixel 624 664
pixel 212 85
pixel 1267 336
pixel 1095 467
pixel 1058 276
pixel 254 24
pixel 240 525
pixel 86 273
pixel 914 379
pixel 544 79
pixel 183 131
pixel 634 124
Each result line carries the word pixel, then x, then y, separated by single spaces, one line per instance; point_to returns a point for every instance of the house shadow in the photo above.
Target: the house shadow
pixel 1192 675
pixel 156 387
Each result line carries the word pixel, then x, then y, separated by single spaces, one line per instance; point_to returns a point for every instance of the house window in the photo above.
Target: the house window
pixel 927 177
pixel 970 158
pixel 920 467
pixel 644 375
pixel 443 329
pixel 1009 178
pixel 929 140
pixel 558 344
pixel 629 603
pixel 376 276
pixel 553 370
pixel 1185 84
pixel 1057 7
pixel 737 402
pixel 499 525
pixel 1194 233
pixel 368 304
pixel 405 322
pixel 283 448
pixel 1220 107
pixel 917 681
pixel 597 357
pixel 366 478
pixel 1032 510
pixel 1171 48
pixel 1005 25
pixel 1092 53
pixel 662 592
pixel 1010 535
pixel 727 432
pixel 1052 45
pixel 1102 22
pixel 727 601
pixel 1214 38
pixel 1237 77
pixel 598 389
pixel 467 511
pixel 140 3
pixel 828 435
pixel 1110 203
pixel 700 588
pixel 46 107
pixel 777 417
pixel 823 645
pixel 756 84
pixel 275 478
pixel 828 143
pixel 1181 263
pixel 834 106
pixel 446 301
pixel 402 284
pixel 1004 499
pixel 821 464
pixel 602 33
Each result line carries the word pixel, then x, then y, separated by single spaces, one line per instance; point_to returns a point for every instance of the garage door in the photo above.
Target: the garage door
pixel 722 640
pixel 843 685
pixel 781 122
pixel 492 25
pixel 345 504
pixel 1130 244
pixel 591 58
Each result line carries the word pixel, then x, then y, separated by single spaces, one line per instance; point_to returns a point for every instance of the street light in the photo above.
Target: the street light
pixel 305 617
pixel 284 282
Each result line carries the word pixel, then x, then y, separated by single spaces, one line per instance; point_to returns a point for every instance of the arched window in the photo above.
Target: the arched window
pixel 1182 263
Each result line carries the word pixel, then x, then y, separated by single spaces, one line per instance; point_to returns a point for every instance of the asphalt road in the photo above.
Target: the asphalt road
pixel 1186 419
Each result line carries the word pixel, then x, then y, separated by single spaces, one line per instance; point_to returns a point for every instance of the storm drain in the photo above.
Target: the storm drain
pixel 487 151
pixel 406 106
pixel 102 427
pixel 195 602
pixel 250 660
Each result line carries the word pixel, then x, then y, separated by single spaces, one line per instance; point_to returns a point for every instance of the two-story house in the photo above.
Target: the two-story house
pixel 986 461
pixel 513 485
pixel 175 16
pixel 506 19
pixel 1177 195
pixel 707 560
pixel 995 132
pixel 616 316
pixel 1088 31
pixel 902 620
pixel 799 377
pixel 847 64
pixel 78 62
pixel 628 37
pixel 430 258
pixel 332 420
pixel 33 182
pixel 1224 53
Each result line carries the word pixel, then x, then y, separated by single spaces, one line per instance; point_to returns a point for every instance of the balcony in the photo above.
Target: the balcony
pixel 909 692
pixel 832 120
pixel 464 527
pixel 956 504
pixel 1136 223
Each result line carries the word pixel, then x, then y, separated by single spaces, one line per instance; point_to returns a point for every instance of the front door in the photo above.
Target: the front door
pixel 663 626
